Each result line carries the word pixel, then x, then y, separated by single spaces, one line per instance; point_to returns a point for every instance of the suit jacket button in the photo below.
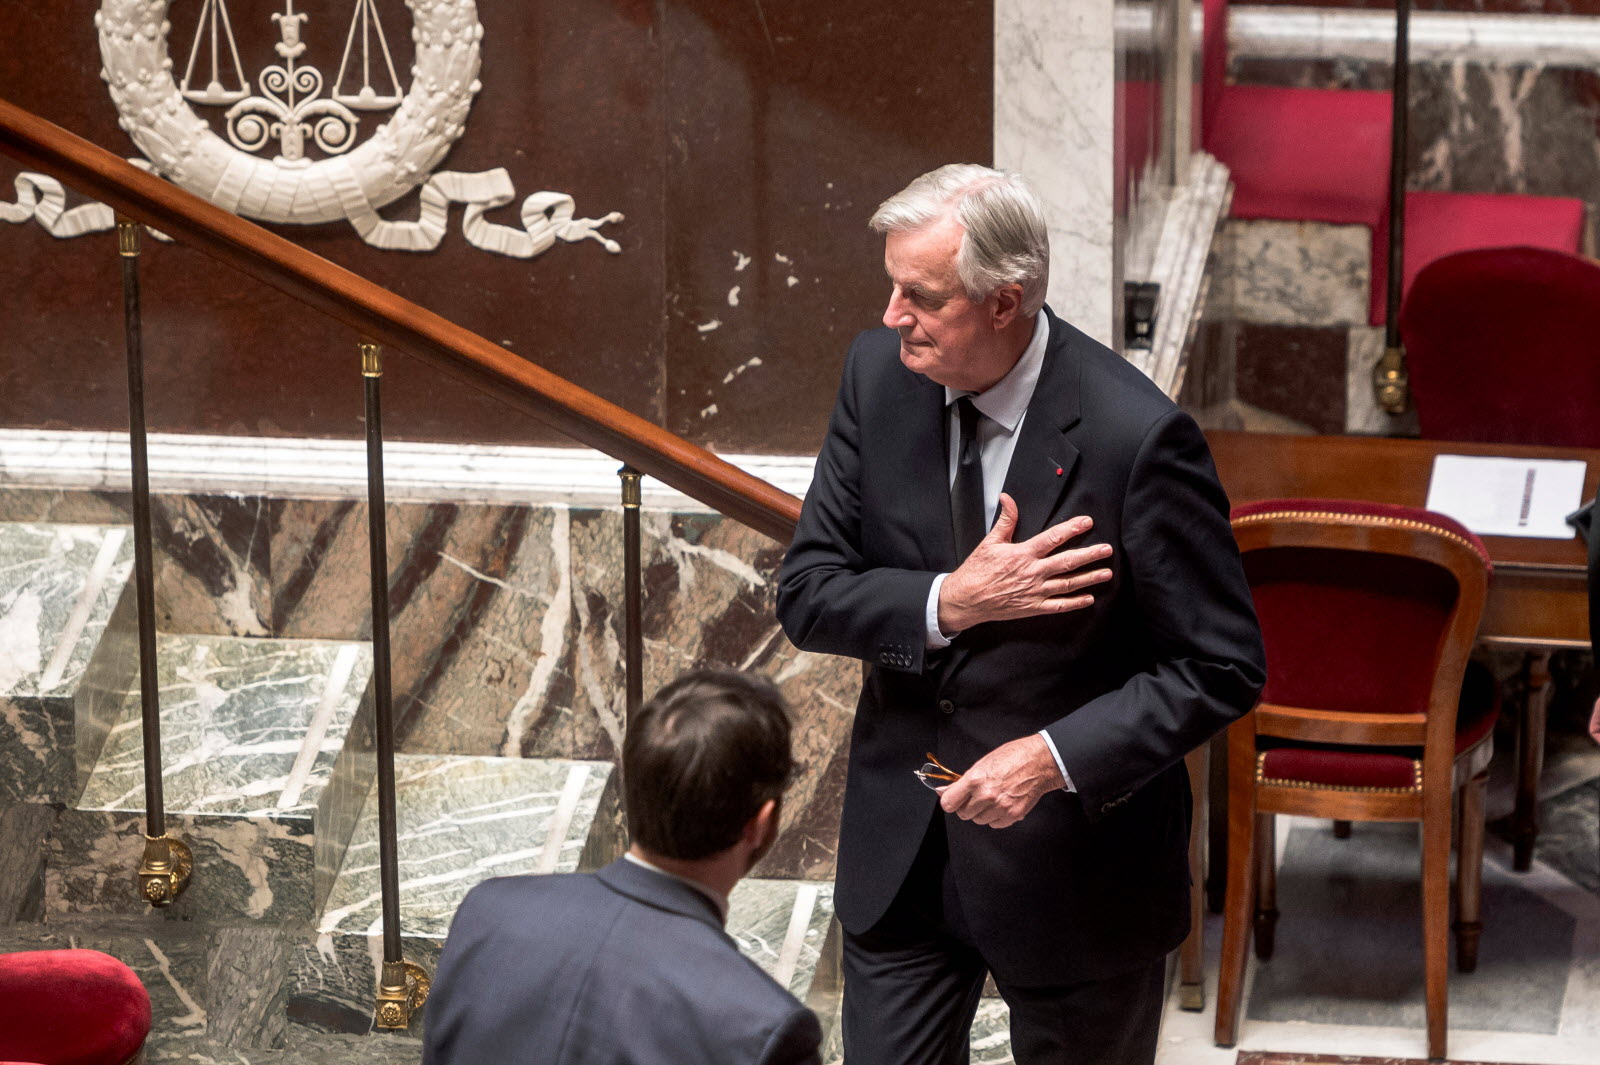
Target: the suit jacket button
pixel 947 706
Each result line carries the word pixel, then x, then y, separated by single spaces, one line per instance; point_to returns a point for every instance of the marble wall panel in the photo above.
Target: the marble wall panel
pixel 782 925
pixel 244 868
pixel 507 629
pixel 1055 120
pixel 710 595
pixel 24 830
pixel 212 570
pixel 342 802
pixel 1294 371
pixel 1291 273
pixel 461 820
pixel 62 587
pixel 246 987
pixel 248 727
pixel 470 591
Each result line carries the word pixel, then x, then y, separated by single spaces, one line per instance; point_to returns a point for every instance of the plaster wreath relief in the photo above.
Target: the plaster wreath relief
pixel 290 111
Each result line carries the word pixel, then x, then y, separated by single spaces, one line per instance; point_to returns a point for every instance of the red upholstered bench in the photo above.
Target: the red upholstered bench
pixel 70 1007
pixel 1443 223
pixel 1316 155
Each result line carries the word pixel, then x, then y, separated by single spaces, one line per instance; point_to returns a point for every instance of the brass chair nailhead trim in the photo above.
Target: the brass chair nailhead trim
pixel 1308 785
pixel 1333 517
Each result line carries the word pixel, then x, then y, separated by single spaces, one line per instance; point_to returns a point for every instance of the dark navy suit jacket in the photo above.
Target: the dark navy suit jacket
pixel 1090 884
pixel 621 967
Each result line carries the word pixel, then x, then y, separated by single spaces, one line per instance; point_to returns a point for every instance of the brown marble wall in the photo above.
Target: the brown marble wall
pixel 506 619
pixel 746 144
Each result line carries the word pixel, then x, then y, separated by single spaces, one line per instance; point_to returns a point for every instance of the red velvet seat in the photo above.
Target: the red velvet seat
pixel 1503 346
pixel 71 1007
pixel 1319 155
pixel 1370 711
pixel 1443 223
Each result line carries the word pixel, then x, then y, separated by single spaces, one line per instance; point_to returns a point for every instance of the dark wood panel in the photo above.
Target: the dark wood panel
pixel 715 126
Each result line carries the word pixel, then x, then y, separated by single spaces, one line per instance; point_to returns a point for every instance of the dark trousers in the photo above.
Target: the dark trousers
pixel 912 984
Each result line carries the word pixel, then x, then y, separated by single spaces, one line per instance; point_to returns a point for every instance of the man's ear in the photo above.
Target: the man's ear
pixel 761 831
pixel 1007 306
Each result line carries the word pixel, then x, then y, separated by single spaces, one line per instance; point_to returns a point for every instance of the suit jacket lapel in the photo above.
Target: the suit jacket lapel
pixel 1042 445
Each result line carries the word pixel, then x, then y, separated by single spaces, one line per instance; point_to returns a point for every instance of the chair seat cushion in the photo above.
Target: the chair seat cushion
pixel 1317 155
pixel 1443 223
pixel 70 1007
pixel 1380 768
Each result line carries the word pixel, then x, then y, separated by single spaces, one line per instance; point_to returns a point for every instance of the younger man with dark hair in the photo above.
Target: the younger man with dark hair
pixel 631 964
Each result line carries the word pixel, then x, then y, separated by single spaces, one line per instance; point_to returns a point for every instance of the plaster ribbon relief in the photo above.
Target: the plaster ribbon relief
pixel 288 111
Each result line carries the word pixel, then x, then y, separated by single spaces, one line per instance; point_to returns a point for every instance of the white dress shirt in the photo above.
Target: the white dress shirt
pixel 1003 406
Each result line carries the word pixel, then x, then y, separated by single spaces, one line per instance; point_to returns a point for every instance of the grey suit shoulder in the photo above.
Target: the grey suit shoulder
pixel 620 967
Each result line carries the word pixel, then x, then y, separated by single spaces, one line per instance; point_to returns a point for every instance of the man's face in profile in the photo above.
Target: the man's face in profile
pixel 944 336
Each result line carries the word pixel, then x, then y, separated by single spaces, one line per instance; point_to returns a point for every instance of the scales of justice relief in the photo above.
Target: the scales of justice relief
pixel 258 166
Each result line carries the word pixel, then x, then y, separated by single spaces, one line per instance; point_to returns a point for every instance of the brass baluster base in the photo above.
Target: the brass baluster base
pixel 401 993
pixel 165 869
pixel 1391 385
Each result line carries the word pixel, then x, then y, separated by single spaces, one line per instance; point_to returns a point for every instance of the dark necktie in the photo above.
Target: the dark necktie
pixel 966 492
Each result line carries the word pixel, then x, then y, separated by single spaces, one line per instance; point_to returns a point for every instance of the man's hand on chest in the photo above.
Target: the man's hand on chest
pixel 1001 580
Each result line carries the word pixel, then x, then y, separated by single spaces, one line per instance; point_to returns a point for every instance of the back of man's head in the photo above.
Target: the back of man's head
pixel 701 759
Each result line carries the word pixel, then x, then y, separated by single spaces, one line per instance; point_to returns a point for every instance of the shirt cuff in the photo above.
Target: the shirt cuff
pixel 1065 776
pixel 935 639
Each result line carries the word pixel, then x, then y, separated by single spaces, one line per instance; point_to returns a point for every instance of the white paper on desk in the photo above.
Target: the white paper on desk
pixel 1507 497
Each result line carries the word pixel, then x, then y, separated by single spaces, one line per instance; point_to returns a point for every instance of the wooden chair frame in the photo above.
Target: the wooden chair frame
pixel 1252 803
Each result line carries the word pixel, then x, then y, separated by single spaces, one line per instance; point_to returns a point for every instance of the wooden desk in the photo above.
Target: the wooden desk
pixel 1538 597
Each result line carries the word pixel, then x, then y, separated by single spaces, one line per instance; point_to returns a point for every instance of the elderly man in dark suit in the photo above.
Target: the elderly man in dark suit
pixel 1026 541
pixel 630 965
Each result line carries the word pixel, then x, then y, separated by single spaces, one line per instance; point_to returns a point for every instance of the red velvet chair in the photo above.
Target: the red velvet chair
pixel 71 1007
pixel 1318 155
pixel 1503 346
pixel 1370 712
pixel 1443 223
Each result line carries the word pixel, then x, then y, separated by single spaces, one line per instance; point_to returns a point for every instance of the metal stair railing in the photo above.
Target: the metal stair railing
pixel 378 317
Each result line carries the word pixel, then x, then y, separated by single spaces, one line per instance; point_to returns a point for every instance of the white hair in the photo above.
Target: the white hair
pixel 1005 241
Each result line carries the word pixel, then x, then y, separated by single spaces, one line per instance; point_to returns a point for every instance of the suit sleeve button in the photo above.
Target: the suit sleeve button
pixel 947 706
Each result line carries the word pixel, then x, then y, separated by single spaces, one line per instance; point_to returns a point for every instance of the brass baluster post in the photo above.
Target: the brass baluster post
pixel 402 985
pixel 633 591
pixel 1391 384
pixel 167 863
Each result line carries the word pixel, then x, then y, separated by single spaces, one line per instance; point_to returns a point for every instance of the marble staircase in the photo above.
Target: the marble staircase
pixel 66 654
pixel 269 775
pixel 252 734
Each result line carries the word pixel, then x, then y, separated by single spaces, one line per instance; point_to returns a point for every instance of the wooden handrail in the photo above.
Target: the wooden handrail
pixel 375 312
